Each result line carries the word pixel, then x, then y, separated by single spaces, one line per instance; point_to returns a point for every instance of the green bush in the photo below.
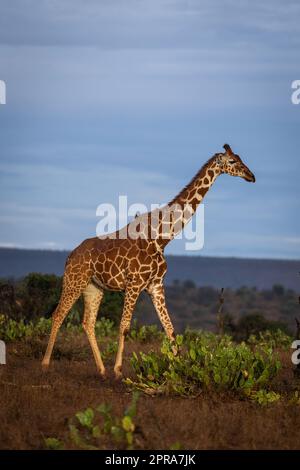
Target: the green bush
pixel 95 429
pixel 105 327
pixel 271 339
pixel 206 361
pixel 112 306
pixel 52 443
pixel 12 330
pixel 39 294
pixel 144 333
pixel 110 349
pixel 263 397
pixel 254 324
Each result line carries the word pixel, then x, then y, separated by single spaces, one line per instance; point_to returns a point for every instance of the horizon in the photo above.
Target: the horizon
pixel 187 254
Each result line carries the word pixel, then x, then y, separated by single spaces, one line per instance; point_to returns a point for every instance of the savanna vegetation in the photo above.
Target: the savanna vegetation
pixel 232 387
pixel 246 310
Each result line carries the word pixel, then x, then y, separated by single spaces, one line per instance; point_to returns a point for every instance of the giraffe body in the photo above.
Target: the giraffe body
pixel 113 263
pixel 132 260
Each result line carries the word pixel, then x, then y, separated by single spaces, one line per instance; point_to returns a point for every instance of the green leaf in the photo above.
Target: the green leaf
pixel 131 410
pixel 179 340
pixel 86 417
pixel 75 436
pixel 117 433
pixel 217 378
pixel 127 424
pixel 104 409
pixel 96 432
pixel 129 438
pixel 176 446
pixel 53 444
pixel 193 354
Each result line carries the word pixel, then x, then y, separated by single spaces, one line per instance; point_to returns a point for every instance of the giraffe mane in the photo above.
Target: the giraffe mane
pixel 197 175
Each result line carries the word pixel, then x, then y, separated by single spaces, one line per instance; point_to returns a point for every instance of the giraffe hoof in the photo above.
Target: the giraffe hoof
pixel 45 366
pixel 118 375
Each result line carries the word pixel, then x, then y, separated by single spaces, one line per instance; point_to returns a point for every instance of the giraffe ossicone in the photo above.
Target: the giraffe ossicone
pixel 132 259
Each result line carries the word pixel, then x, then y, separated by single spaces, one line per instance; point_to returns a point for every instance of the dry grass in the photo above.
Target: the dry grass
pixel 34 405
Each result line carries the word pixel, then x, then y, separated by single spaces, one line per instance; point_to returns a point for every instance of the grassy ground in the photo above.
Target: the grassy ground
pixel 35 406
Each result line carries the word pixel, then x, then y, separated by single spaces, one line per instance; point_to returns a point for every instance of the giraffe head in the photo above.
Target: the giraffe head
pixel 232 164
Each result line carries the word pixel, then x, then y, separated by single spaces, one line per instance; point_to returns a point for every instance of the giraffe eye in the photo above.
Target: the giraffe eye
pixel 232 161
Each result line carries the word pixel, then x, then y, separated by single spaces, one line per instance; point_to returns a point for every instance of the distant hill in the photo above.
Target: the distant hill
pixel 235 272
pixel 208 271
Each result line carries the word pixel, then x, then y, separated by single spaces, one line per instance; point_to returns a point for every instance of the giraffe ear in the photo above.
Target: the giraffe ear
pixel 228 149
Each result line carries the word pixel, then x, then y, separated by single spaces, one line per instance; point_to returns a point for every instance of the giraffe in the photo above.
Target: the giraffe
pixel 132 260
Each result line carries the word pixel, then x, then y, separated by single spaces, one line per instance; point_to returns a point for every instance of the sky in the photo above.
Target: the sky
pixel 107 98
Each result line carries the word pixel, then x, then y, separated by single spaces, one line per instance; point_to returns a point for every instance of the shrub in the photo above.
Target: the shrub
pixel 52 443
pixel 263 397
pixel 8 299
pixel 111 348
pixel 271 339
pixel 253 324
pixel 39 294
pixel 112 306
pixel 104 327
pixel 144 333
pixel 11 330
pixel 206 361
pixel 97 428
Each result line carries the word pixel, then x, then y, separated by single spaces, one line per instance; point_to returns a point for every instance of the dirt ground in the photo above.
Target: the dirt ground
pixel 35 405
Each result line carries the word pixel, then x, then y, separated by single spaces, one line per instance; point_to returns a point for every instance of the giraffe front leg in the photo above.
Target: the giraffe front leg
pixel 157 293
pixel 131 296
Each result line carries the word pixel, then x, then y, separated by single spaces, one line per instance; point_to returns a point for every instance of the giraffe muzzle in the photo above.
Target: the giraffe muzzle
pixel 249 176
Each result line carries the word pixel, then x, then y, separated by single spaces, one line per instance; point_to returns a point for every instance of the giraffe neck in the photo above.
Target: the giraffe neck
pixel 184 205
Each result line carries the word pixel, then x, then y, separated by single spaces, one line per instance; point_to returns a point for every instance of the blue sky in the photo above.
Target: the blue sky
pixel 132 97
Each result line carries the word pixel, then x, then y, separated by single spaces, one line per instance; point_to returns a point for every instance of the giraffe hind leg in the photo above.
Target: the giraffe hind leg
pixel 92 298
pixel 67 300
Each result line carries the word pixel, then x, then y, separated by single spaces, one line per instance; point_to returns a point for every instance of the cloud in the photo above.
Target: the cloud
pixel 49 201
pixel 141 24
pixel 131 97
